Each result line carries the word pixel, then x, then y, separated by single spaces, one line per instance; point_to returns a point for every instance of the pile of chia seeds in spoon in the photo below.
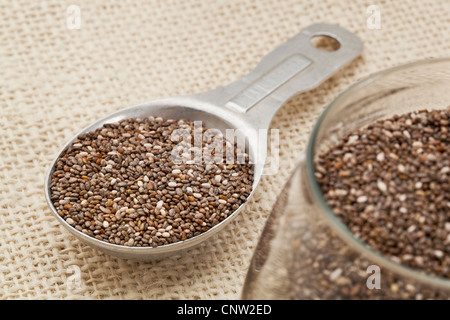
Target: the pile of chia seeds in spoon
pixel 390 183
pixel 120 184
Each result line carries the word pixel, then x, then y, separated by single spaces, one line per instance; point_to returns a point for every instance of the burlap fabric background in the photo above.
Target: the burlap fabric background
pixel 55 81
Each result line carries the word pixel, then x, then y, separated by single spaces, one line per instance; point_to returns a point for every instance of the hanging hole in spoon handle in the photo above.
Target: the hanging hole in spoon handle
pixel 325 43
pixel 293 67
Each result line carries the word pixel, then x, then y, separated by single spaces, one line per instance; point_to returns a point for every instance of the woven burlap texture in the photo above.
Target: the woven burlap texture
pixel 55 80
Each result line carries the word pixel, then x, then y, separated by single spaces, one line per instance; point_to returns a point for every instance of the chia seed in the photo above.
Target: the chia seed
pixel 119 184
pixel 395 194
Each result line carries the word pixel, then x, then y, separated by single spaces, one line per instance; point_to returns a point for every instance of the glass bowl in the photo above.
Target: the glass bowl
pixel 306 251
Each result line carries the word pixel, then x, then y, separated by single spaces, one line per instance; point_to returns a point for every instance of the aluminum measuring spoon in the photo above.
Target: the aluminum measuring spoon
pixel 248 103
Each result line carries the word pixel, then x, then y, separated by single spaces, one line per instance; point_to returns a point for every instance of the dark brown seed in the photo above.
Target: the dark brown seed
pixel 111 180
pixel 412 180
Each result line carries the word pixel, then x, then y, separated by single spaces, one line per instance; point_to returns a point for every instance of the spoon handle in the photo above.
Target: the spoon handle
pixel 293 67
